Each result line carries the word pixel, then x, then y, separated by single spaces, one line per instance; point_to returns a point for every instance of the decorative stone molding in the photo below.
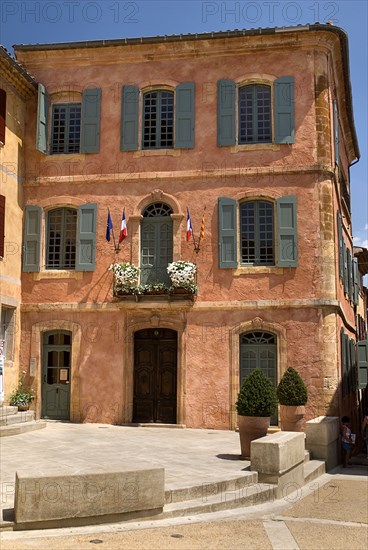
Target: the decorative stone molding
pixel 36 352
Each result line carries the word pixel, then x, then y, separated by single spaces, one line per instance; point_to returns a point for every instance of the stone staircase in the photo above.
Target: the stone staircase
pixel 14 422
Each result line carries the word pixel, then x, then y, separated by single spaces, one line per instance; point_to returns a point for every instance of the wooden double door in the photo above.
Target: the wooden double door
pixel 155 376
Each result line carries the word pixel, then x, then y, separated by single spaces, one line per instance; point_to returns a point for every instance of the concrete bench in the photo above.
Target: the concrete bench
pixel 58 497
pixel 279 460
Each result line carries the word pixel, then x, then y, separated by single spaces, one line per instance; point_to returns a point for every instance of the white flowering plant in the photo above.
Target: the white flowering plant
pixel 183 275
pixel 125 277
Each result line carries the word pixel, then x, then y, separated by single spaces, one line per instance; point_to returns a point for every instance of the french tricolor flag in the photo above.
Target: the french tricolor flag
pixel 123 229
pixel 189 227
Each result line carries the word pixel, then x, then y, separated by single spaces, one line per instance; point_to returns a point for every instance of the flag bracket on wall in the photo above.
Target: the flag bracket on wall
pixel 190 232
pixel 110 230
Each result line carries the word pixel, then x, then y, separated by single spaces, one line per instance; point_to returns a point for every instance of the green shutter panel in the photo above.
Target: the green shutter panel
pixel 86 237
pixel 350 275
pixel 362 353
pixel 225 112
pixel 90 124
pixel 284 109
pixel 184 116
pixel 356 281
pixel 344 254
pixel 336 133
pixel 129 122
pixel 287 233
pixel 228 229
pixel 42 117
pixel 32 238
pixel 339 236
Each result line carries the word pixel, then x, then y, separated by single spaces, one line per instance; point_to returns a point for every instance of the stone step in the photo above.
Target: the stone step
pixel 18 418
pixel 250 495
pixel 179 494
pixel 307 456
pixel 7 410
pixel 23 427
pixel 314 469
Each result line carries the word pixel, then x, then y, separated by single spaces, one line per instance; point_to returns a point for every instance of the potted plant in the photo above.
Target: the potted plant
pixel 292 394
pixel 21 397
pixel 126 277
pixel 255 405
pixel 183 276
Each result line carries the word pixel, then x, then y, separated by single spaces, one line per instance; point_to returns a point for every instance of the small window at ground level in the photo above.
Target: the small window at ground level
pixel 66 128
pixel 61 238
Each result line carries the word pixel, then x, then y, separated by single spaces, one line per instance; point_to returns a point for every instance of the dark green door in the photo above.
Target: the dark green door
pixel 56 367
pixel 259 350
pixel 156 244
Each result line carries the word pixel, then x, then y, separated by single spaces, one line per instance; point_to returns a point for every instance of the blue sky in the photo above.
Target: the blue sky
pixel 42 21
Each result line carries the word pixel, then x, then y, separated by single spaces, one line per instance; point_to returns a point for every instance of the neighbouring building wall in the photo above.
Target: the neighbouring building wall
pixel 15 89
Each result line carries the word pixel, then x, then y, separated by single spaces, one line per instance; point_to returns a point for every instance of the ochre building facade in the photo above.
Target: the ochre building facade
pixel 257 129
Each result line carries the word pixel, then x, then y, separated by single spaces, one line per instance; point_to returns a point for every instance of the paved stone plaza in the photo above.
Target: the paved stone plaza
pixel 330 512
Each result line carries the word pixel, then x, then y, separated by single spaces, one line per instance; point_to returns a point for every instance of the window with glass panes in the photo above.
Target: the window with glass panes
pixel 254 105
pixel 158 119
pixel 61 238
pixel 257 233
pixel 66 128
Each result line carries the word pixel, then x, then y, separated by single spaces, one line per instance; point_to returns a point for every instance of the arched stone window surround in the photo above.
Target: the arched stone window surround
pixel 135 222
pixel 253 325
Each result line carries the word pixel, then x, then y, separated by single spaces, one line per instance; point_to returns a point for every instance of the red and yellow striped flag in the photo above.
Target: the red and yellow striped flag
pixel 201 234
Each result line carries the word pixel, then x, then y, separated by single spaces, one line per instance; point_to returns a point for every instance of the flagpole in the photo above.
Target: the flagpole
pixel 197 249
pixel 113 236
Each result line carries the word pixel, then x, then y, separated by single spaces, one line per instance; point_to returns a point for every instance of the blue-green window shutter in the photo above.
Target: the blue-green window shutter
pixel 356 281
pixel 287 232
pixel 184 116
pixel 284 109
pixel 344 254
pixel 362 353
pixel 228 229
pixel 350 275
pixel 225 112
pixel 86 237
pixel 336 133
pixel 129 118
pixel 339 236
pixel 32 238
pixel 42 118
pixel 90 124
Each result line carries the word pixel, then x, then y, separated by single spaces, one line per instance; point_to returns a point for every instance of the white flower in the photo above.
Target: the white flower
pixel 182 274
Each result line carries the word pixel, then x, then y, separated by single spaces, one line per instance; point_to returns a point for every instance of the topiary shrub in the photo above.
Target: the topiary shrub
pixel 257 396
pixel 291 389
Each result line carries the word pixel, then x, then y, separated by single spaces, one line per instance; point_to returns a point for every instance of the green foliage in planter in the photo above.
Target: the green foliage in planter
pixel 291 389
pixel 21 396
pixel 257 396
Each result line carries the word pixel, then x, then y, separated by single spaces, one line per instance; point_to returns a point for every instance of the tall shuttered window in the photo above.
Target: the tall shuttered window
pixel 66 128
pixel 158 120
pixel 61 238
pixel 257 233
pixel 255 114
pixel 7 331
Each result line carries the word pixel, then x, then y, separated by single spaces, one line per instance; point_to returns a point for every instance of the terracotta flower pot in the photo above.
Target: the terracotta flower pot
pixel 292 417
pixel 250 428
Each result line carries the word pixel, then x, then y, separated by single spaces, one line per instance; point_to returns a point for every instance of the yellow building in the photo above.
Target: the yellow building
pixel 16 86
